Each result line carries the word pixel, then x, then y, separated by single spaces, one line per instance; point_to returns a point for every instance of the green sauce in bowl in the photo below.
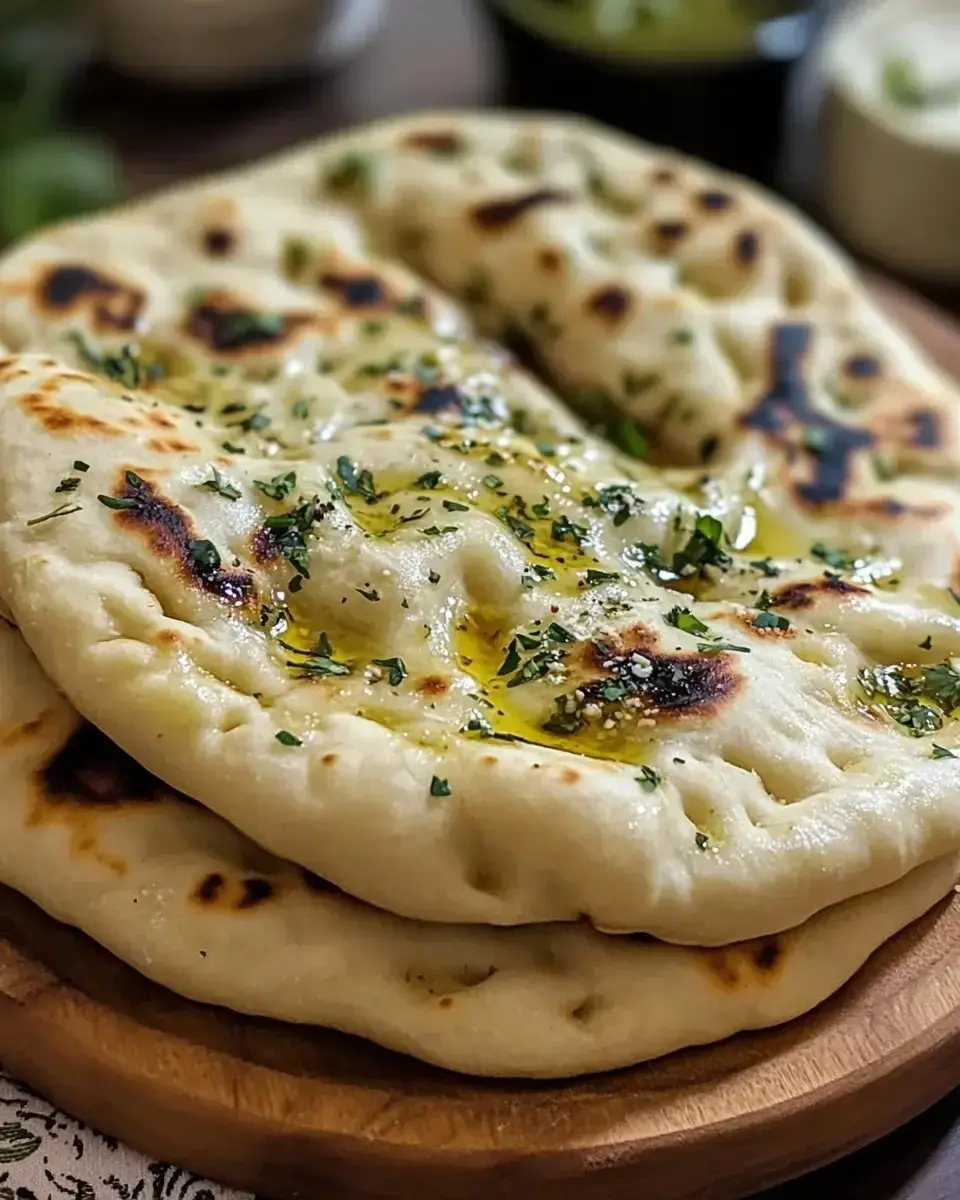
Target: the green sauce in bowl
pixel 664 30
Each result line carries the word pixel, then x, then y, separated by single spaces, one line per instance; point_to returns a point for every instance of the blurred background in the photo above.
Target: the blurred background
pixel 852 109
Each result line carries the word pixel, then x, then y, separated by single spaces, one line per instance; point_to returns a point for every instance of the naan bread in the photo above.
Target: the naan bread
pixel 348 654
pixel 637 281
pixel 649 284
pixel 96 841
pixel 332 514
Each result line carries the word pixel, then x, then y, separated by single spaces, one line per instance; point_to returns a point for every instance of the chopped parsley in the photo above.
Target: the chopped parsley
pixel 205 554
pixel 455 506
pixel 927 643
pixel 942 752
pixel 720 647
pixel 701 840
pixel 770 620
pixel 535 574
pixel 686 621
pixel 223 487
pixel 316 662
pixel 126 368
pixel 703 549
pixel 767 566
pixel 649 779
pixel 630 437
pixel 119 502
pixel 70 484
pixel 279 487
pixel 439 530
pixel 596 578
pixel 439 787
pixel 286 738
pixel 563 528
pixel 295 256
pixel 80 465
pixel 617 499
pixel 430 479
pixel 63 510
pixel 357 482
pixel 290 529
pixel 493 482
pixel 368 594
pixel 352 170
pixel 395 668
pixel 433 576
pixel 903 696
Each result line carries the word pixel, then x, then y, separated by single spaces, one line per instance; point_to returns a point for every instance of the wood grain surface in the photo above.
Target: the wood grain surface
pixel 288 1111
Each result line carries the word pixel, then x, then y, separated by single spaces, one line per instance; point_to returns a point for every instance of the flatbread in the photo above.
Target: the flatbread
pixel 394 703
pixel 649 284
pixel 166 886
pixel 493 728
pixel 637 281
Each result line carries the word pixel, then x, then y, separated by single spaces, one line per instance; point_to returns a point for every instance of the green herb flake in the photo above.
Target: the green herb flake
pixel 395 667
pixel 279 487
pixel 80 465
pixel 770 620
pixel 439 530
pixel 357 482
pixel 512 660
pixel 630 437
pixel 597 578
pixel 942 752
pixel 766 566
pixel 686 621
pixel 63 510
pixel 286 738
pixel 295 256
pixel 535 574
pixel 434 576
pixel 719 648
pixel 118 502
pixel 493 482
pixel 368 594
pixel 70 484
pixel 351 171
pixel 702 841
pixel 927 643
pixel 703 549
pixel 205 554
pixel 563 528
pixel 455 506
pixel 649 779
pixel 223 487
pixel 439 787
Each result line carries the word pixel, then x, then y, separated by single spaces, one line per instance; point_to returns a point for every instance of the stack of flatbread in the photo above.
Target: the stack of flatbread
pixel 534 711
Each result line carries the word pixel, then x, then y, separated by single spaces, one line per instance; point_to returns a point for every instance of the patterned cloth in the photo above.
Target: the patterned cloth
pixel 45 1155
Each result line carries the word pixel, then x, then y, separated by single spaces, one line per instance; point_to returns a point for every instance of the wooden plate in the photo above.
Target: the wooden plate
pixel 289 1112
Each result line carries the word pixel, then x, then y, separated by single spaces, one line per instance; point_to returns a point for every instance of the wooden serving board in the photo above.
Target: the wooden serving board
pixel 294 1112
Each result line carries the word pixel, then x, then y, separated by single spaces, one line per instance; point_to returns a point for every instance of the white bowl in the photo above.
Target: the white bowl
pixel 228 43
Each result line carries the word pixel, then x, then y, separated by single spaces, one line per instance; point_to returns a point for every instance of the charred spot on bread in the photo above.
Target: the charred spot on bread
pixel 612 303
pixel 112 303
pixel 170 534
pixel 494 216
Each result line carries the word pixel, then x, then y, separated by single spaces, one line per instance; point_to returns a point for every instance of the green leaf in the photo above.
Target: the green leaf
pixel 630 437
pixel 52 178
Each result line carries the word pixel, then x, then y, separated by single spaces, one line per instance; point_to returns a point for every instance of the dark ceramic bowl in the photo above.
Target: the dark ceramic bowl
pixel 728 111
